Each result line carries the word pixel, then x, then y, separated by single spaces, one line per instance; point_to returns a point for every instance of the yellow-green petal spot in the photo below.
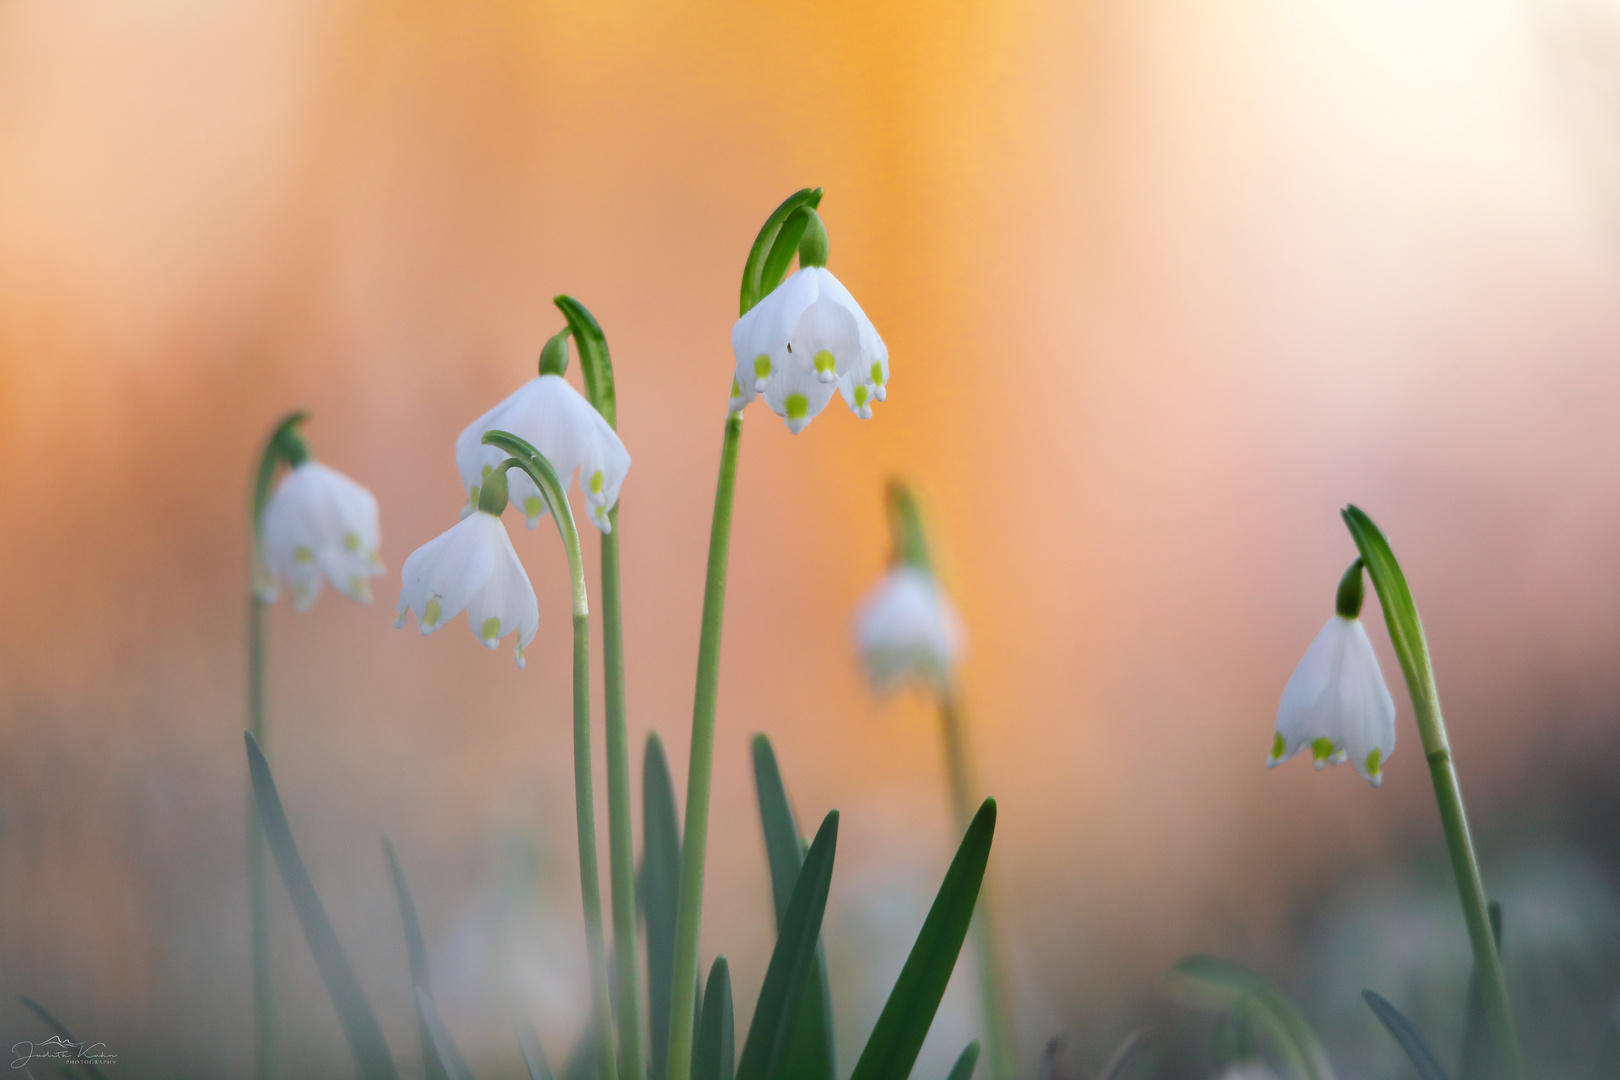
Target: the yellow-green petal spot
pixel 762 366
pixel 736 389
pixel 1375 761
pixel 825 361
pixel 431 613
pixel 797 405
pixel 351 540
pixel 860 396
pixel 1322 748
pixel 533 506
pixel 596 482
pixel 487 470
pixel 491 630
pixel 304 555
pixel 472 496
pixel 1277 747
pixel 877 372
pixel 359 588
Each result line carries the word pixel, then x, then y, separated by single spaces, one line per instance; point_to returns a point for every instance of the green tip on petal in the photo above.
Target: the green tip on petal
pixel 1278 745
pixel 825 361
pixel 430 615
pixel 596 482
pixel 797 406
pixel 303 555
pixel 491 631
pixel 533 507
pixel 762 367
pixel 877 372
pixel 1321 749
pixel 1375 763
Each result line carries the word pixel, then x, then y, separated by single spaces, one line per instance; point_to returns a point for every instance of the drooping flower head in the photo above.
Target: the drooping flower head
pixel 906 629
pixel 806 339
pixel 472 567
pixel 1336 702
pixel 556 419
pixel 316 524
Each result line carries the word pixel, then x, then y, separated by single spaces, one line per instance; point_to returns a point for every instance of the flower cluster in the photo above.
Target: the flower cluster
pixel 317 523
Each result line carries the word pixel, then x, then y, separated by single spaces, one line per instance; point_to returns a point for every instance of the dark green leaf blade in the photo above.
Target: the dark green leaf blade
pixel 416 953
pixel 1407 1034
pixel 365 1037
pixel 660 882
pixel 449 1056
pixel 903 1025
pixel 534 1055
pixel 810 1053
pixel 61 1029
pixel 1211 982
pixel 714 1050
pixel 792 960
pixel 963 1069
pixel 1479 1049
pixel 754 283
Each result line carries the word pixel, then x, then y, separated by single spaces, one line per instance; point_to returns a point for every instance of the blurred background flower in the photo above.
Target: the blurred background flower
pixel 1164 285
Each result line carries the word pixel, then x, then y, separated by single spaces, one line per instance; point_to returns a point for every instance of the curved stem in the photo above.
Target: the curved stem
pixel 992 966
pixel 621 840
pixel 694 842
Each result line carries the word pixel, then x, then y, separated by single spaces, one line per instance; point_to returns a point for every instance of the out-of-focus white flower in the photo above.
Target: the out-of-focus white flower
pixel 473 567
pixel 1337 704
pixel 906 629
pixel 318 523
pixel 807 338
pixel 556 420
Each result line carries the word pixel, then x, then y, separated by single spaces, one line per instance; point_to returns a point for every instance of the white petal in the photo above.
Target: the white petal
pixel 826 341
pixel 442 576
pixel 1366 708
pixel 906 628
pixel 316 521
pixel 797 396
pixel 1337 703
pixel 505 602
pixel 759 340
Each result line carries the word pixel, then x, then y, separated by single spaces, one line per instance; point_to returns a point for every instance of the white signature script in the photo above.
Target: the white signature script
pixel 56 1048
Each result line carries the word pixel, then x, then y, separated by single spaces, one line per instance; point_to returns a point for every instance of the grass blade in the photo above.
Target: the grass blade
pixel 1407 1034
pixel 963 1069
pixel 1478 1049
pixel 1210 982
pixel 416 953
pixel 810 1054
pixel 582 1062
pixel 445 1051
pixel 1122 1057
pixel 348 998
pixel 909 1013
pixel 67 1036
pixel 534 1055
pixel 660 889
pixel 777 1010
pixel 714 1049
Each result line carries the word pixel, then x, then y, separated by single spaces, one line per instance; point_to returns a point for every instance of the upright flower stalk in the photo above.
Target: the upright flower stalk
pixel 1406 633
pixel 550 486
pixel 908 632
pixel 795 343
pixel 596 366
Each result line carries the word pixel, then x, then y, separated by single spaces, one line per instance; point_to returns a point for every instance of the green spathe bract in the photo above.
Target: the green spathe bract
pixel 1406 633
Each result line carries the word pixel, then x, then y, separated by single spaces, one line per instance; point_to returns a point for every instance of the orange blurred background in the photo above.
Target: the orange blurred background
pixel 1164 285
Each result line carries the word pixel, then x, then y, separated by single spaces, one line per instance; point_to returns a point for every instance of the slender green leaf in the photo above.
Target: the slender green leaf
pixel 903 1025
pixel 754 282
pixel 1479 1049
pixel 1407 1034
pixel 963 1069
pixel 67 1036
pixel 1395 596
pixel 534 1055
pixel 595 365
pixel 416 953
pixel 660 891
pixel 714 1049
pixel 810 1054
pixel 582 1062
pixel 1123 1056
pixel 348 998
pixel 444 1047
pixel 1210 982
pixel 792 961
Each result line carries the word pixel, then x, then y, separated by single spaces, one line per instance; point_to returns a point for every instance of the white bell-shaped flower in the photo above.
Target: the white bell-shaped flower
pixel 471 567
pixel 1337 704
pixel 805 340
pixel 319 523
pixel 556 420
pixel 906 629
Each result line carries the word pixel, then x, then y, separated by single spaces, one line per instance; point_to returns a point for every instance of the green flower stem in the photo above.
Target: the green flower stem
pixel 545 478
pixel 992 966
pixel 621 841
pixel 1406 632
pixel 694 840
pixel 264 1005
